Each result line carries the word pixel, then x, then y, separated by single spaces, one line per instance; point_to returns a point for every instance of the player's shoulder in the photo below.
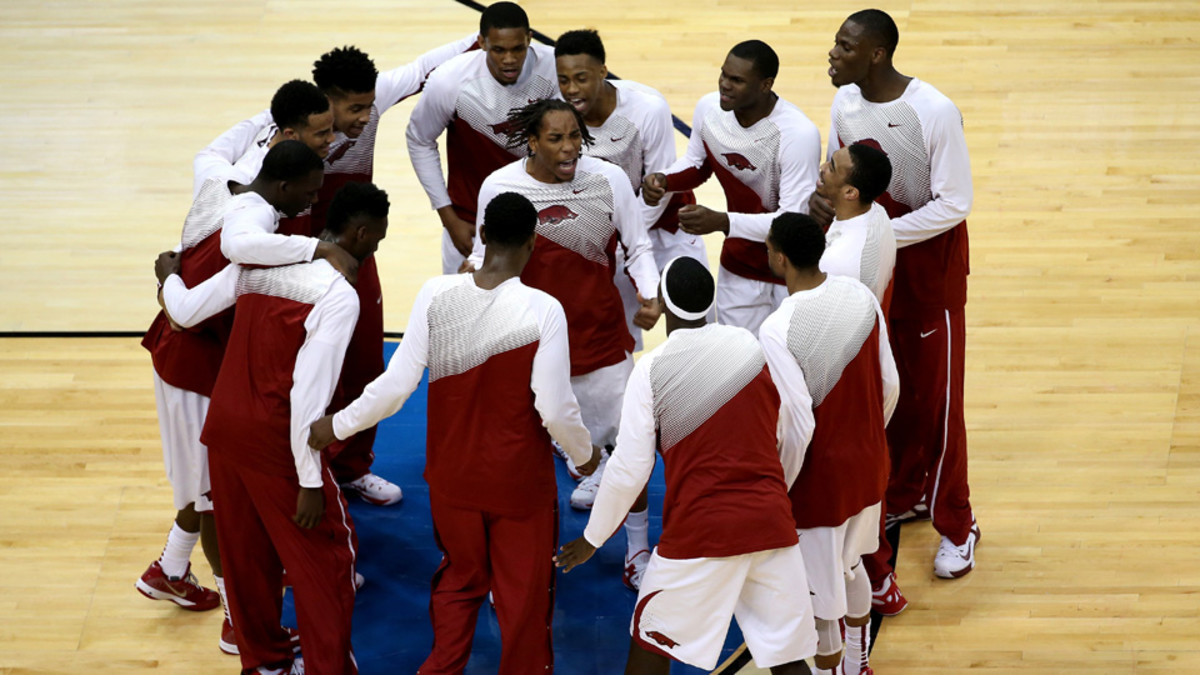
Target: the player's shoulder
pixel 846 94
pixel 644 94
pixel 595 165
pixel 510 173
pixel 849 286
pixel 790 118
pixel 777 323
pixel 248 202
pixel 709 101
pixel 543 60
pixel 929 100
pixel 457 69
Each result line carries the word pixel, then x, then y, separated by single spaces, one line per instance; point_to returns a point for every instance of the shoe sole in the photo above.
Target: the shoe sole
pixel 227 648
pixel 371 500
pixel 582 506
pixel 155 594
pixel 880 612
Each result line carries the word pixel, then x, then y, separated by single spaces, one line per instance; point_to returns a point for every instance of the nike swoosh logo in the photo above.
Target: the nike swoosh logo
pixel 892 126
pixel 925 335
pixel 616 140
pixel 577 191
pixel 534 100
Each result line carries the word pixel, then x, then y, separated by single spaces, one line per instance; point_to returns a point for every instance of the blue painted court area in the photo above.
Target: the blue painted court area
pixel 397 555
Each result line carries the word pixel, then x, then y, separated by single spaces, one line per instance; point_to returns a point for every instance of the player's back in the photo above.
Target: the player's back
pixel 487 447
pixel 833 333
pixel 716 410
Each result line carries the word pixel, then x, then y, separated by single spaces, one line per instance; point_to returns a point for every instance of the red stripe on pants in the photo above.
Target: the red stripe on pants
pixel 512 557
pixel 258 541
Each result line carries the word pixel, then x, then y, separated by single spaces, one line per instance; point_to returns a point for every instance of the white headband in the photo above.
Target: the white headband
pixel 681 313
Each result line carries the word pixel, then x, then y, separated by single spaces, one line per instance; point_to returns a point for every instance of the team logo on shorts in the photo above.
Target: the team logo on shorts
pixel 657 636
pixel 738 161
pixel 553 215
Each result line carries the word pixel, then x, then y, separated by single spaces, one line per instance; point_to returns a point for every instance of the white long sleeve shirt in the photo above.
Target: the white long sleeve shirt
pixel 328 327
pixel 863 248
pixel 496 315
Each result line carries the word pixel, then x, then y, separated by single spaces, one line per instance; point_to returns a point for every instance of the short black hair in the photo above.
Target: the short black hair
pixel 509 220
pixel 799 238
pixel 766 61
pixel 294 102
pixel 689 284
pixel 879 26
pixel 352 199
pixel 500 15
pixel 575 42
pixel 345 70
pixel 872 171
pixel 526 122
pixel 290 160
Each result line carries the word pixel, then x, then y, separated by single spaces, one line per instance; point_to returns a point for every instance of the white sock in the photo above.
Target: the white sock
pixel 858 643
pixel 224 602
pixel 178 551
pixel 637 532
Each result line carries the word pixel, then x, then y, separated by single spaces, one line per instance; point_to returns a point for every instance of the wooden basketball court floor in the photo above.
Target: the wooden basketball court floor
pixel 1083 365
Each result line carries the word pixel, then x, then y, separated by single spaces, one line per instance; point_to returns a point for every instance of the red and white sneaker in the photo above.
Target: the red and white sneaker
pixel 953 561
pixel 185 591
pixel 887 599
pixel 919 511
pixel 294 638
pixel 228 642
pixel 375 490
pixel 562 454
pixel 635 569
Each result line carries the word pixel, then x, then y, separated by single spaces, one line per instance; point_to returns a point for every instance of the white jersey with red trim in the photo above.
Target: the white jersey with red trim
pixel 464 99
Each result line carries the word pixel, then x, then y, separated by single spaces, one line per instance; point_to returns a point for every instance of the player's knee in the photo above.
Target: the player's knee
pixel 829 642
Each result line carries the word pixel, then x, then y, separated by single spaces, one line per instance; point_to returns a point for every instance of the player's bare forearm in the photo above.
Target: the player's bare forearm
pixel 462 233
pixel 573 554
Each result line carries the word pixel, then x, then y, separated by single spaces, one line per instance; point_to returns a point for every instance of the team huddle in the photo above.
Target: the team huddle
pixel 802 403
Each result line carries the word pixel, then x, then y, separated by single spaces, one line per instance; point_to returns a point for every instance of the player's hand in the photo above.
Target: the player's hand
pixel 166 264
pixel 466 266
pixel 320 433
pixel 339 258
pixel 647 315
pixel 573 554
pixel 310 507
pixel 462 233
pixel 821 210
pixel 590 467
pixel 654 186
pixel 696 219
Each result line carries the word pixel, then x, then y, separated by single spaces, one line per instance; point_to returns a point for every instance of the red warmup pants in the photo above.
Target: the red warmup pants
pixel 512 557
pixel 927 436
pixel 258 540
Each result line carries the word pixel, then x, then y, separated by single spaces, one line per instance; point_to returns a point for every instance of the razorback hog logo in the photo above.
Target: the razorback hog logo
pixel 738 161
pixel 502 129
pixel 553 215
pixel 662 639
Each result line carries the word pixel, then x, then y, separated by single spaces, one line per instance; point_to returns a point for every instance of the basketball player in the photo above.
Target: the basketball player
pixel 705 400
pixel 631 127
pixel 468 98
pixel 765 153
pixel 498 360
pixel 928 199
pixel 280 504
pixel 585 210
pixel 859 243
pixel 186 365
pixel 299 112
pixel 827 348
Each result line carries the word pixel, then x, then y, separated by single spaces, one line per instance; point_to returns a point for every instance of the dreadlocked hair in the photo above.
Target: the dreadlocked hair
pixel 526 122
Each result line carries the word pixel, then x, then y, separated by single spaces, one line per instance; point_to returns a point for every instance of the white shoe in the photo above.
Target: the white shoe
pixel 561 454
pixel 297 666
pixel 375 490
pixel 359 580
pixel 584 494
pixel 635 569
pixel 953 561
